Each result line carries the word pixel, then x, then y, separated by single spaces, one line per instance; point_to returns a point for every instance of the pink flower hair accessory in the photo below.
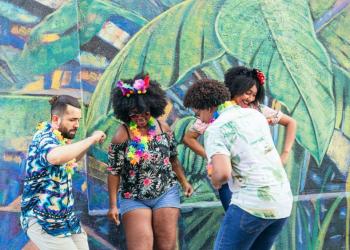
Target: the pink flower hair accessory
pixel 140 86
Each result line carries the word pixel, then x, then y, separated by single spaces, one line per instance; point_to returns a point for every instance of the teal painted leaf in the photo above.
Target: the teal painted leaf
pixel 147 9
pixel 57 39
pixel 278 37
pixel 335 36
pixel 17 14
pixel 168 48
pixel 342 97
pixel 319 7
pixel 194 165
pixel 200 228
pixel 25 123
pixel 216 69
pixel 108 125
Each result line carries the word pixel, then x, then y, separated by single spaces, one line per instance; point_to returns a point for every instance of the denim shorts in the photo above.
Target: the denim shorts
pixel 171 198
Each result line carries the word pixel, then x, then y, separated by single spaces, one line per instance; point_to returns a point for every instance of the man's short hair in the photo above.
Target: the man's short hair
pixel 206 93
pixel 59 104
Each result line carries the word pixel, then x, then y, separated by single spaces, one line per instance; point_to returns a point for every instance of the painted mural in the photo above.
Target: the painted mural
pixel 81 48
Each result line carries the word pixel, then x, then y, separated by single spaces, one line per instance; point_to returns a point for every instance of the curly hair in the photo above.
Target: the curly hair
pixel 206 93
pixel 240 79
pixel 153 101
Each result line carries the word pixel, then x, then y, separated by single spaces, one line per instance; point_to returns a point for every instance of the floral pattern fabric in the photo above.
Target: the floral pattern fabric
pixel 152 176
pixel 260 184
pixel 47 194
pixel 199 127
pixel 273 116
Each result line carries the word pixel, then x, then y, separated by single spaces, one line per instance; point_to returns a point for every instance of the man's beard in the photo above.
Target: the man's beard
pixel 69 134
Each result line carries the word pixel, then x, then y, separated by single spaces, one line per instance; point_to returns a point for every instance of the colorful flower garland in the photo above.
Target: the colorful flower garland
pixel 63 141
pixel 138 147
pixel 216 114
pixel 220 108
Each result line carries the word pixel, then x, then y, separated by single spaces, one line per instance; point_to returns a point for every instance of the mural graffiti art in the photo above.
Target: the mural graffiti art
pixel 82 47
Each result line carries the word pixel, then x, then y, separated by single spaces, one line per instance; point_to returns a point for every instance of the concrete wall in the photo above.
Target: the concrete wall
pixel 50 47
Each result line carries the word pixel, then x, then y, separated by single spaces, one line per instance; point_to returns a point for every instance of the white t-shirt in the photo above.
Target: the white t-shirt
pixel 260 183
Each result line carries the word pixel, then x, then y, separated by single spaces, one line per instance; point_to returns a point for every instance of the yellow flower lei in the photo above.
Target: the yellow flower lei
pixel 63 141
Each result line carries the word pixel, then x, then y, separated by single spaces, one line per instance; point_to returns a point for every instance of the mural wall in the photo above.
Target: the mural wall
pixel 50 47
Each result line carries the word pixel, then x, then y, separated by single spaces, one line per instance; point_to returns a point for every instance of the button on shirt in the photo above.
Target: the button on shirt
pixel 47 194
pixel 260 184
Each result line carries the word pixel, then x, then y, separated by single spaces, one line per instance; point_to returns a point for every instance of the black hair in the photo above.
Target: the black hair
pixel 59 104
pixel 240 79
pixel 206 93
pixel 153 101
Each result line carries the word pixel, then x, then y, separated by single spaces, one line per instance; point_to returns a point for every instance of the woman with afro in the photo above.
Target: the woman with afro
pixel 143 167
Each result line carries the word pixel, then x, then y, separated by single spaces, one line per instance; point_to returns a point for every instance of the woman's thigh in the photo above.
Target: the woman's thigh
pixel 138 229
pixel 165 227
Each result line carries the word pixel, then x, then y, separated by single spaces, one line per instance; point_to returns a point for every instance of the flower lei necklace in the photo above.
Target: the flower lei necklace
pixel 138 147
pixel 220 108
pixel 63 141
pixel 216 114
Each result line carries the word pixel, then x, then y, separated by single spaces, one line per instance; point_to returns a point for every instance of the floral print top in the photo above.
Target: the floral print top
pixel 151 177
pixel 273 116
pixel 259 183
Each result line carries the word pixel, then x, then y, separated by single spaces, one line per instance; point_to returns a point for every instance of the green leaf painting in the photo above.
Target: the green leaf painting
pixel 342 95
pixel 57 39
pixel 335 36
pixel 193 164
pixel 281 42
pixel 167 48
pixel 319 7
pixel 16 14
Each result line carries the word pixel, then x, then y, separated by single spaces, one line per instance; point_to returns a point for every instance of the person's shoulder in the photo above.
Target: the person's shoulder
pixel 164 126
pixel 121 135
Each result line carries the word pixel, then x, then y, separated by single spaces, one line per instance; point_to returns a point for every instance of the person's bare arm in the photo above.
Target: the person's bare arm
pixel 177 168
pixel 221 170
pixel 63 154
pixel 113 181
pixel 190 140
pixel 186 186
pixel 291 128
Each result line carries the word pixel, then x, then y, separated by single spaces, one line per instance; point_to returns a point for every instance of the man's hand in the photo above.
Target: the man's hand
pixel 113 215
pixel 98 136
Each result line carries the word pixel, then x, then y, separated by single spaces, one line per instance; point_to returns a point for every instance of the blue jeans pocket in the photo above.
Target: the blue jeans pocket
pixel 252 224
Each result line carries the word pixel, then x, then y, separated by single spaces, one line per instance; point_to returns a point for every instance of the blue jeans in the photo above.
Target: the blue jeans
pixel 225 195
pixel 242 231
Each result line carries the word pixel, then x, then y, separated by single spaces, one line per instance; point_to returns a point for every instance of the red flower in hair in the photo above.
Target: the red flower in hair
pixel 261 77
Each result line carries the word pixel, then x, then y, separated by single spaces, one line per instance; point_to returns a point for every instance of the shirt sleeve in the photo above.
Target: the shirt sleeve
pixel 199 127
pixel 46 144
pixel 273 116
pixel 116 158
pixel 215 143
pixel 172 144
